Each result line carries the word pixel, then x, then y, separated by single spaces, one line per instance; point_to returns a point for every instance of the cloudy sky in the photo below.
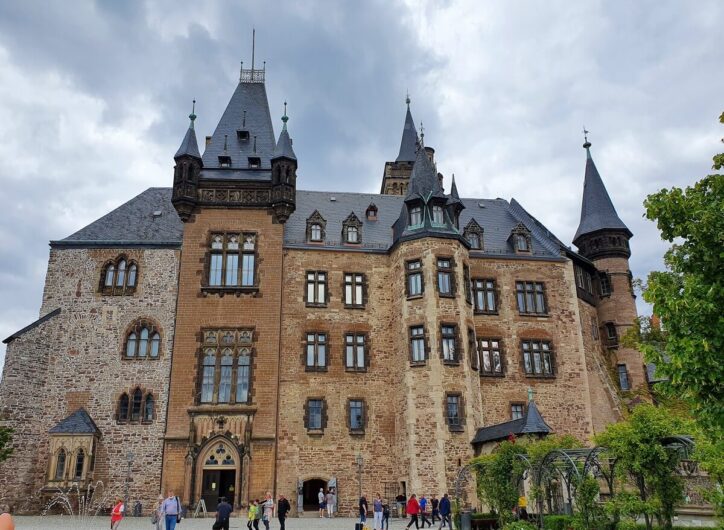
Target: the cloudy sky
pixel 94 98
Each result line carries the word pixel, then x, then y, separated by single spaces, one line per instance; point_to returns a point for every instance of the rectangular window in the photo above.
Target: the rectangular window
pixel 317 288
pixel 531 298
pixel 491 361
pixel 484 296
pixel 472 350
pixel 623 377
pixel 453 411
pixel 227 364
pixel 468 285
pixel 516 411
pixel 438 216
pixel 449 343
pixel 414 278
pixel 417 344
pixel 445 280
pixel 315 411
pixel 208 380
pixel 537 358
pixel 355 354
pixel 215 269
pixel 356 415
pixel 316 351
pixel 226 255
pixel 243 379
pixel 415 216
pixel 604 282
pixel 594 328
pixel 353 289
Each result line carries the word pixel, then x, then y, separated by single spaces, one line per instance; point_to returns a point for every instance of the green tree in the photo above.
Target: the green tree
pixel 497 477
pixel 5 448
pixel 689 295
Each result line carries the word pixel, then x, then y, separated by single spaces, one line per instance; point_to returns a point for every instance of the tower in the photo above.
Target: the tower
pixel 186 172
pixel 603 238
pixel 397 174
pixel 284 174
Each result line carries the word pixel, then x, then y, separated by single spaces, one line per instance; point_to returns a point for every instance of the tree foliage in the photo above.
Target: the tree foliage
pixel 689 295
pixel 5 448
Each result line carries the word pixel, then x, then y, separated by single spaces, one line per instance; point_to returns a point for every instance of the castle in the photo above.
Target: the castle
pixel 234 334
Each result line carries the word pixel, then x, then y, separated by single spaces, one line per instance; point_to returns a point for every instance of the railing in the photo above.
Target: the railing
pixel 252 76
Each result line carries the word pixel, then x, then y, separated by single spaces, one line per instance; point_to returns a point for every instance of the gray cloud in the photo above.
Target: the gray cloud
pixel 95 99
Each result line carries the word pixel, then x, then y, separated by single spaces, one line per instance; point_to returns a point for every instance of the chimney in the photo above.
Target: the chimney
pixel 430 152
pixel 208 141
pixel 439 179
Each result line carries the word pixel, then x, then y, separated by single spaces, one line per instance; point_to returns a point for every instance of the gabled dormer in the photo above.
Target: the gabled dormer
pixel 520 239
pixel 473 234
pixel 352 230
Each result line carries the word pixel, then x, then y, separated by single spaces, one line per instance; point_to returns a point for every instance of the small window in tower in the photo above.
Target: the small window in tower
pixel 224 161
pixel 242 136
pixel 254 162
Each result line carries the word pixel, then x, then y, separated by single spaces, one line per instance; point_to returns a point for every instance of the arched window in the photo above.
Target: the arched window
pixel 119 277
pixel 224 369
pixel 79 461
pixel 123 407
pixel 315 232
pixel 227 362
pixel 143 341
pixel 110 274
pixel 315 227
pixel 352 229
pixel 121 274
pixel 243 378
pixel 136 405
pixel 148 408
pixel 60 465
pixel 132 270
pixel 352 234
pixel 209 372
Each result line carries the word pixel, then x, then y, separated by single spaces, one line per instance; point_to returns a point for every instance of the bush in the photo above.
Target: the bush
pixel 519 525
pixel 478 515
pixel 557 522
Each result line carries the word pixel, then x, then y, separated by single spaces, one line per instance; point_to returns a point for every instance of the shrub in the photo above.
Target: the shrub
pixel 557 522
pixel 519 525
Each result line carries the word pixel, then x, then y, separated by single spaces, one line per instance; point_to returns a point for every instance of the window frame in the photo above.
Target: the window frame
pixel 135 335
pixel 316 219
pixel 352 221
pixel 458 424
pixel 225 253
pixel 316 283
pixel 533 373
pixel 623 375
pixel 418 271
pixel 538 292
pixel 434 210
pixel 316 343
pixel 612 337
pixel 481 287
pixel 355 336
pixel 445 271
pixel 356 430
pixel 415 211
pixel 322 416
pixel 446 336
pixel 216 348
pixel 413 339
pixel 605 284
pixel 357 282
pixel 492 349
pixel 515 404
pixel 113 267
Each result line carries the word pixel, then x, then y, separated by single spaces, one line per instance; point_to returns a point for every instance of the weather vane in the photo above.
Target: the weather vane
pixel 585 134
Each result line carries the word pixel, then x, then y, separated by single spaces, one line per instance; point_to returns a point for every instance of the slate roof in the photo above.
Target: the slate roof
pixel 77 423
pixel 597 210
pixel 33 325
pixel 531 423
pixel 284 145
pixel 189 146
pixel 423 179
pixel 408 144
pixel 249 98
pixel 133 224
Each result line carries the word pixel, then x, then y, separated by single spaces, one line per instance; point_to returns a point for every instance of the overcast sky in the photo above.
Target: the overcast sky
pixel 94 99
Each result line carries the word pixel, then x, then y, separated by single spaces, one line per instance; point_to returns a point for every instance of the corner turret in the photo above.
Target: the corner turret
pixel 396 176
pixel 186 172
pixel 284 174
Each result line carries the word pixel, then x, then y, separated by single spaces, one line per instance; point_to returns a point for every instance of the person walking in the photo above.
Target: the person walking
pixel 423 512
pixel 268 508
pixel 413 508
pixel 330 502
pixel 171 510
pixel 445 510
pixel 377 511
pixel 283 508
pixel 434 502
pixel 322 499
pixel 363 509
pixel 251 515
pixel 223 514
pixel 386 516
pixel 157 517
pixel 117 513
pixel 257 514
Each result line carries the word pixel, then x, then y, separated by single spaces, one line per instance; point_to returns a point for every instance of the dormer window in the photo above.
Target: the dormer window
pixel 254 162
pixel 315 232
pixel 224 161
pixel 473 233
pixel 371 212
pixel 316 227
pixel 521 243
pixel 352 235
pixel 438 215
pixel 474 240
pixel 415 216
pixel 520 239
pixel 352 230
pixel 242 136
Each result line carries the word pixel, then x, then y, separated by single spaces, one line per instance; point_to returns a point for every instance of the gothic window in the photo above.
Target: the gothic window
pixel 316 227
pixel 448 343
pixel 454 411
pixel 79 461
pixel 604 282
pixel 225 368
pixel 124 405
pixel 531 298
pixel 491 362
pixel 143 341
pixel 227 363
pixel 484 296
pixel 623 377
pixel 538 358
pixel 445 277
pixel 521 239
pixel 136 404
pixel 356 415
pixel 315 414
pixel 355 352
pixel 243 379
pixel 354 289
pixel 232 260
pixel 352 230
pixel 60 465
pixel 473 233
pixel 418 348
pixel 414 283
pixel 415 216
pixel 438 215
pixel 208 377
pixel 316 288
pixel 148 406
pixel 517 410
pixel 316 352
pixel 119 277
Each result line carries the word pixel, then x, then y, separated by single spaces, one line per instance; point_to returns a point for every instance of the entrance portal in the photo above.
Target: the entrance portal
pixel 311 490
pixel 217 483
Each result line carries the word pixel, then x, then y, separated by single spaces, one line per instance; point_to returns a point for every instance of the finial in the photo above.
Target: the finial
pixel 422 135
pixel 285 118
pixel 241 71
pixel 192 116
pixel 587 144
pixel 407 99
pixel 530 394
pixel 243 120
pixel 255 143
pixel 253 47
pixel 226 136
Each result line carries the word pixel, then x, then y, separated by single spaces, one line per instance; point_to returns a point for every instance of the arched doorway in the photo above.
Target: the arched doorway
pixel 310 492
pixel 220 473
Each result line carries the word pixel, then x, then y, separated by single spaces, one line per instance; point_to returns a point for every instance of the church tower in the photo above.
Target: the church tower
pixel 396 177
pixel 603 238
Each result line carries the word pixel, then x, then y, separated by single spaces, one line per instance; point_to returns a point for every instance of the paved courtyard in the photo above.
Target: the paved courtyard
pixel 144 523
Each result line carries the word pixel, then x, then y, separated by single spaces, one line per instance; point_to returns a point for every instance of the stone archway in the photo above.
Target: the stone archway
pixel 219 473
pixel 310 490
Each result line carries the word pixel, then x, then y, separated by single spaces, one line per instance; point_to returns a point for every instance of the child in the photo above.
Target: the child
pixel 257 515
pixel 252 514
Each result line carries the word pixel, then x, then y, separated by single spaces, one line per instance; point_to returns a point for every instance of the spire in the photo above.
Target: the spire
pixel 423 180
pixel 189 146
pixel 454 190
pixel 409 142
pixel 284 145
pixel 597 210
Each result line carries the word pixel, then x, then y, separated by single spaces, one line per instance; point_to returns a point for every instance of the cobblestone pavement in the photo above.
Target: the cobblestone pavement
pixel 144 523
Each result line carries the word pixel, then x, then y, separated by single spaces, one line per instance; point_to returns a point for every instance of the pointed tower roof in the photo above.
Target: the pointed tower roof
pixel 531 423
pixel 423 180
pixel 248 110
pixel 284 145
pixel 597 210
pixel 409 143
pixel 454 198
pixel 189 146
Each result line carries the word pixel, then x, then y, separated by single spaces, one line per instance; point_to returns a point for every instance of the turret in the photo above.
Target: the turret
pixel 396 177
pixel 186 172
pixel 284 174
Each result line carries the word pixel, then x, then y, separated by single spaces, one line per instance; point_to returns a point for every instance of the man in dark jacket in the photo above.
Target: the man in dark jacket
pixel 283 508
pixel 445 511
pixel 435 508
pixel 223 513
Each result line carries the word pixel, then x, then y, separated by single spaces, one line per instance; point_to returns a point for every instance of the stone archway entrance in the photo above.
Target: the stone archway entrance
pixel 310 490
pixel 220 470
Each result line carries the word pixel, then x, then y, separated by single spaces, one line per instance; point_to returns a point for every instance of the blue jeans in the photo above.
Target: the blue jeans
pixel 362 518
pixel 170 522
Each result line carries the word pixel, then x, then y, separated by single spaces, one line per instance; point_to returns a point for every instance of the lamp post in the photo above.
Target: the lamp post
pixel 359 462
pixel 129 460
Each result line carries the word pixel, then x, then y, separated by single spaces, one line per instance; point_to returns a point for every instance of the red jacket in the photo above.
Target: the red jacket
pixel 413 507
